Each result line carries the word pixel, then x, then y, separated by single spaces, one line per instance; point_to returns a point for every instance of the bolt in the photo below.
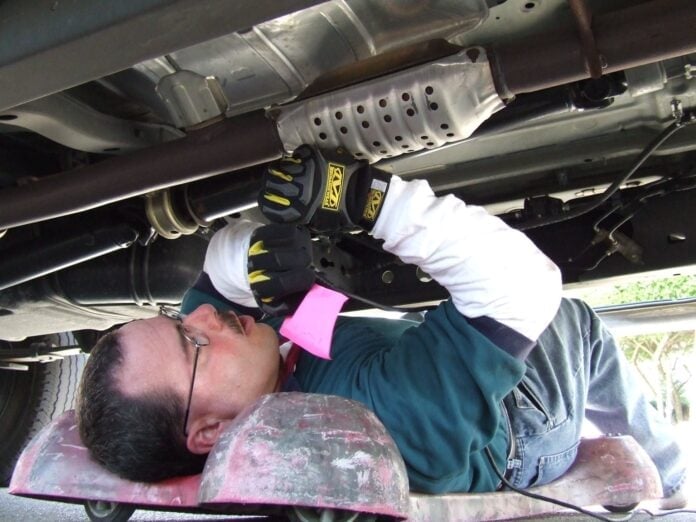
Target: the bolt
pixel 387 277
pixel 562 177
pixel 603 61
pixel 677 109
pixel 676 237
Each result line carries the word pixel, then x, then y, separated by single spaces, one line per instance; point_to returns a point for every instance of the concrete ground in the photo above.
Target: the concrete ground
pixel 17 509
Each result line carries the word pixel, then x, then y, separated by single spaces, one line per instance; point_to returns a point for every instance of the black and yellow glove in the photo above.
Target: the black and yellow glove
pixel 325 190
pixel 279 267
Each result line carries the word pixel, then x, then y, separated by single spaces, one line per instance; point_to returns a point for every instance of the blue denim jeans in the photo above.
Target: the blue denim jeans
pixel 577 371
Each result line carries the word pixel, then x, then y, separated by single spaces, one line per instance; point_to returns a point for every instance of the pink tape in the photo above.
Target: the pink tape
pixel 311 326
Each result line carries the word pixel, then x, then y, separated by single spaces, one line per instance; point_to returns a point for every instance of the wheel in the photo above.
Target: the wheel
pixel 621 509
pixel 302 514
pixel 100 511
pixel 31 399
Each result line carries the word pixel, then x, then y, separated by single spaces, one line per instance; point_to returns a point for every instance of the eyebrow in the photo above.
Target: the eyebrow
pixel 182 339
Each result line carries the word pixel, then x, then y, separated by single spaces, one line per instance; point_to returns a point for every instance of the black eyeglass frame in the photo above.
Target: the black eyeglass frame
pixel 196 343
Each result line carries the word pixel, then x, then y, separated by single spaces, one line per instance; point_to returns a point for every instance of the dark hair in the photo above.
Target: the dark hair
pixel 138 438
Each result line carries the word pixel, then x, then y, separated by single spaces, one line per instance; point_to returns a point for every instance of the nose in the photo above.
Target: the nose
pixel 205 317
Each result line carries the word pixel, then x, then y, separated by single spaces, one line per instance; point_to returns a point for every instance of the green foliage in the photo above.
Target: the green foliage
pixel 639 348
pixel 647 289
pixel 659 359
pixel 676 287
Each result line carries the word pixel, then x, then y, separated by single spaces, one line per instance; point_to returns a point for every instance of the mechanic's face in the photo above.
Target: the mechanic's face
pixel 234 369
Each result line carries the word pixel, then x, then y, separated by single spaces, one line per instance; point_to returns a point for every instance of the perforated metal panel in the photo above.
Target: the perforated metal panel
pixel 420 108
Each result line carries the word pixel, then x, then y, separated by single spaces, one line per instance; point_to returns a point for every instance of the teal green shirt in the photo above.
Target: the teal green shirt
pixel 437 387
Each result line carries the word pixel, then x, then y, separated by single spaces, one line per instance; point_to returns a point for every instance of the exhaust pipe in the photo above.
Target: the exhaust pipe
pixel 222 147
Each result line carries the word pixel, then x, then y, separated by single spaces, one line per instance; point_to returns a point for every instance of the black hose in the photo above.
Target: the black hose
pixel 686 119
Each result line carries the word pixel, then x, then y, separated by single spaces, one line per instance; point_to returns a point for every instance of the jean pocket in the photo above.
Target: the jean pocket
pixel 553 466
pixel 526 399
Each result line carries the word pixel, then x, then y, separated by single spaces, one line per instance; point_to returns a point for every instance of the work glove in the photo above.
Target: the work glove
pixel 279 267
pixel 326 190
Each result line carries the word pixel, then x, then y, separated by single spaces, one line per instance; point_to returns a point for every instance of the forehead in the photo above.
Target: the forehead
pixel 153 356
pixel 156 332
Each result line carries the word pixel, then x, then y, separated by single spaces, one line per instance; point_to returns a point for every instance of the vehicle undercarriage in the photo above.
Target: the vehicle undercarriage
pixel 129 134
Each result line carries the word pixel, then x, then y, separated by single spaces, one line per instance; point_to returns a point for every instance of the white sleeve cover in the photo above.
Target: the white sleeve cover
pixel 488 268
pixel 226 262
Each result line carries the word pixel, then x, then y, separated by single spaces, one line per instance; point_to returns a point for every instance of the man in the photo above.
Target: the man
pixel 483 382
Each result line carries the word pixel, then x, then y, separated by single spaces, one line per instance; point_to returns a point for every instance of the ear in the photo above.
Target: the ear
pixel 204 433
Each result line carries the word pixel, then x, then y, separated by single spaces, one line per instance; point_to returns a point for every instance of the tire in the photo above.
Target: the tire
pixel 31 399
pixel 304 514
pixel 621 509
pixel 99 511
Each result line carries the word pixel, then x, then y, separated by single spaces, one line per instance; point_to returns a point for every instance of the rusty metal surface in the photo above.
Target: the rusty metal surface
pixel 641 34
pixel 55 465
pixel 583 21
pixel 221 147
pixel 607 471
pixel 307 450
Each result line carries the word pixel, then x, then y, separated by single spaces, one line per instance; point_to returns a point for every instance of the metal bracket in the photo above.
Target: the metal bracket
pixel 14 366
pixel 583 21
pixel 69 122
pixel 192 99
pixel 17 360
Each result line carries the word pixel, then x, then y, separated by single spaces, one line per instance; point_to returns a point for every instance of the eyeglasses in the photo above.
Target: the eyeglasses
pixel 197 340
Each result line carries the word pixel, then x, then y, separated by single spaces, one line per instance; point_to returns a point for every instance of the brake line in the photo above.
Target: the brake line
pixel 682 120
pixel 657 188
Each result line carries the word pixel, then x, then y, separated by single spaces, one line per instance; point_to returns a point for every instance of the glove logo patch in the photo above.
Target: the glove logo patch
pixel 374 201
pixel 334 187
